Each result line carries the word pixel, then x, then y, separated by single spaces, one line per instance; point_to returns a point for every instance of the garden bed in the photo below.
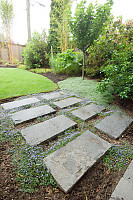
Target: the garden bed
pixel 97 184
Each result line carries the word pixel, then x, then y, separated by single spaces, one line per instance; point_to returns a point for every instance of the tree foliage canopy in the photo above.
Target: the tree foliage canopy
pixel 88 23
pixel 58 33
pixel 6 12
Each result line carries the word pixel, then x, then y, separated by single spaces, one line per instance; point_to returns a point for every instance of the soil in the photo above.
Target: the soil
pixel 97 184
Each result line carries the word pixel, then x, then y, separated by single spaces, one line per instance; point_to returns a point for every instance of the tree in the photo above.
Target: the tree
pixel 88 23
pixel 58 33
pixel 6 12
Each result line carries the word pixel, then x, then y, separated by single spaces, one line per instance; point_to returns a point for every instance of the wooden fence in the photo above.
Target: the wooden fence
pixel 13 55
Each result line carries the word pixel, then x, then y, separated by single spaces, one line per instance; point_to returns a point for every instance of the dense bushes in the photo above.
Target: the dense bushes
pixel 34 54
pixel 116 37
pixel 112 55
pixel 69 62
pixel 119 75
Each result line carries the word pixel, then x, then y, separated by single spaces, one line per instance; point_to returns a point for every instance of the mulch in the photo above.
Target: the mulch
pixel 97 184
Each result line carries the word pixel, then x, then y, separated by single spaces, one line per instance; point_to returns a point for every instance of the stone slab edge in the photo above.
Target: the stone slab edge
pixel 66 190
pixel 124 189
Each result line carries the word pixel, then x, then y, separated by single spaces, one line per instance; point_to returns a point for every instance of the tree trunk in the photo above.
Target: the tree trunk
pixel 83 69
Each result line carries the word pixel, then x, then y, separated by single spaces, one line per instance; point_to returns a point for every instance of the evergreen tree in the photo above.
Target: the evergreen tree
pixel 58 33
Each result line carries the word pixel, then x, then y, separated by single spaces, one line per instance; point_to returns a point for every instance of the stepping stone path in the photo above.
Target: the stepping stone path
pixel 53 95
pixel 19 103
pixel 114 125
pixel 31 113
pixel 44 131
pixel 67 102
pixel 124 189
pixel 87 112
pixel 69 163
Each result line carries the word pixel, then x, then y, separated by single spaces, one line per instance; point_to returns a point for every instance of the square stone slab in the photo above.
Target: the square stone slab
pixel 19 103
pixel 44 131
pixel 87 112
pixel 124 189
pixel 69 163
pixel 53 95
pixel 114 125
pixel 67 102
pixel 31 113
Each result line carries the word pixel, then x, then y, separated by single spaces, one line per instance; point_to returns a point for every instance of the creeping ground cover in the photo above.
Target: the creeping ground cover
pixel 85 88
pixel 17 82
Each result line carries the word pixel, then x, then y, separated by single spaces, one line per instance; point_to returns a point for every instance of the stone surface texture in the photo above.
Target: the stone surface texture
pixel 19 103
pixel 31 113
pixel 114 125
pixel 67 102
pixel 124 189
pixel 69 163
pixel 53 95
pixel 88 111
pixel 46 130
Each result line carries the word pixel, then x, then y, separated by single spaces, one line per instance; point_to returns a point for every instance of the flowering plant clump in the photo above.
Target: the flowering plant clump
pixel 118 157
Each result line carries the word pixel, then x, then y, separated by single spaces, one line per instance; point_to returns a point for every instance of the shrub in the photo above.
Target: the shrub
pixel 116 37
pixel 119 75
pixel 34 54
pixel 69 62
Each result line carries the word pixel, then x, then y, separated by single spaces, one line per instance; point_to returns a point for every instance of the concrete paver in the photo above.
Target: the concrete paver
pixel 88 111
pixel 69 163
pixel 114 125
pixel 31 113
pixel 19 103
pixel 46 130
pixel 67 102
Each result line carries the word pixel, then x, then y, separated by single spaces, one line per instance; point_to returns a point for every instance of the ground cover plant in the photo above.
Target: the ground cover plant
pixel 17 82
pixel 85 88
pixel 32 173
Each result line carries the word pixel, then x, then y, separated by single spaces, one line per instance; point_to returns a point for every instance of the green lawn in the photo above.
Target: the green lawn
pixel 85 88
pixel 17 82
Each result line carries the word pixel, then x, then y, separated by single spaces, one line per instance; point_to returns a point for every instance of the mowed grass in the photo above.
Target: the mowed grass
pixel 17 82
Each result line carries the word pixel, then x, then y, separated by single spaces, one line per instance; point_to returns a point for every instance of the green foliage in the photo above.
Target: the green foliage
pixel 7 64
pixel 58 33
pixel 119 79
pixel 68 62
pixel 24 67
pixel 34 54
pixel 40 70
pixel 116 37
pixel 88 23
pixel 86 89
pixel 118 157
pixel 119 71
pixel 6 12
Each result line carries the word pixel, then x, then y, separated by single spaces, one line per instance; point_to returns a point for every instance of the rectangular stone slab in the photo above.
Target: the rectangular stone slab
pixel 18 103
pixel 87 112
pixel 114 125
pixel 53 95
pixel 44 131
pixel 124 189
pixel 69 163
pixel 67 102
pixel 31 113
